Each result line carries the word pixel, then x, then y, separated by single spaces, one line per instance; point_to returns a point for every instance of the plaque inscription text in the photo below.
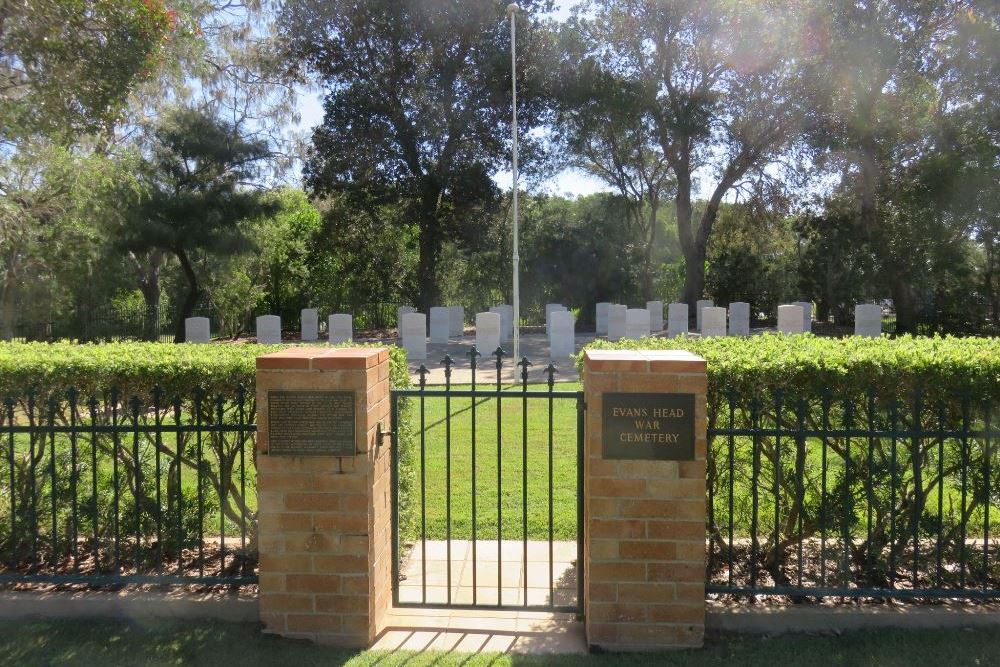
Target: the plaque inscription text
pixel 648 426
pixel 304 423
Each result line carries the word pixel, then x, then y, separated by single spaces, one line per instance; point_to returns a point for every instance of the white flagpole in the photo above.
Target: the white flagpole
pixel 512 10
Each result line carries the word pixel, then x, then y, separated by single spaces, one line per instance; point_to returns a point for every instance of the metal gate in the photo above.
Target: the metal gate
pixel 487 485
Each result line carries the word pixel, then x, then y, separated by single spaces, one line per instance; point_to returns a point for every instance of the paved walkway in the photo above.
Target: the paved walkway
pixel 486 630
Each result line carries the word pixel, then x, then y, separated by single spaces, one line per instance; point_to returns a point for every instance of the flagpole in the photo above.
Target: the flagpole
pixel 512 10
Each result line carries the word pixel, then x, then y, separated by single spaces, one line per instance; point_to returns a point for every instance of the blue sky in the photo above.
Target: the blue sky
pixel 569 182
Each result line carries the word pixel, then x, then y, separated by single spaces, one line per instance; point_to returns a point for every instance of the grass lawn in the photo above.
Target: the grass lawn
pixel 214 643
pixel 511 465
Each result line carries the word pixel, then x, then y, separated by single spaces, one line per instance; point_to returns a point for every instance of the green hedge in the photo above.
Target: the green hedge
pixel 134 368
pixel 806 365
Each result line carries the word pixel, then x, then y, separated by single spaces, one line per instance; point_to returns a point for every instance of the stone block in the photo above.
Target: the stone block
pixel 197 330
pixel 340 328
pixel 268 329
pixel 677 319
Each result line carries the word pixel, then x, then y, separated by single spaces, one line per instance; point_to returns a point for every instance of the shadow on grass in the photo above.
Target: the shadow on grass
pixel 190 642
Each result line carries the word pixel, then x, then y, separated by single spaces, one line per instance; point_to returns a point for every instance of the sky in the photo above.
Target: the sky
pixel 570 182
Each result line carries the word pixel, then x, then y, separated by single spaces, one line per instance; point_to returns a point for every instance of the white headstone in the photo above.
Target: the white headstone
pixel 655 309
pixel 505 331
pixel 402 310
pixel 309 321
pixel 456 318
pixel 197 330
pixel 807 314
pixel 790 319
pixel 602 318
pixel 616 321
pixel 268 329
pixel 739 318
pixel 506 322
pixel 413 333
pixel 562 339
pixel 340 328
pixel 700 306
pixel 549 309
pixel 487 332
pixel 440 325
pixel 713 321
pixel 636 323
pixel 868 320
pixel 677 319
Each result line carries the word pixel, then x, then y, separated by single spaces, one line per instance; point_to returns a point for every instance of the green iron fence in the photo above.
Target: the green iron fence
pixel 142 489
pixel 855 498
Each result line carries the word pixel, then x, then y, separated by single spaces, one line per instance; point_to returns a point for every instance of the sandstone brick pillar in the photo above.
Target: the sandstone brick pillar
pixel 324 518
pixel 644 499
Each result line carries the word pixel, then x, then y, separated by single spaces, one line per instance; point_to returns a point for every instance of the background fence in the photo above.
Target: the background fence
pixel 856 497
pixel 140 489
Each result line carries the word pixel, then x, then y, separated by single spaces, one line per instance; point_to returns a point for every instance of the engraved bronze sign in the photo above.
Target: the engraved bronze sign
pixel 307 423
pixel 657 427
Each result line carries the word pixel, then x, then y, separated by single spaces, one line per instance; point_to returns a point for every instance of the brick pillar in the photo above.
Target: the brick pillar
pixel 325 521
pixel 644 584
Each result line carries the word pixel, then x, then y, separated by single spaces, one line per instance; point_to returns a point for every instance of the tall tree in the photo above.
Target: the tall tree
pixel 417 108
pixel 604 123
pixel 198 187
pixel 723 95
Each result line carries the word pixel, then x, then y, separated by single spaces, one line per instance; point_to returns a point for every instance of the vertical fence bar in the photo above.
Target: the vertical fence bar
pixel 74 475
pixel 53 482
pixel 32 468
pixel 14 541
pixel 241 419
pixel 224 477
pixel 848 538
pixel 800 482
pixel 778 401
pixel 870 484
pixel 731 480
pixel 447 466
pixel 551 370
pixel 157 446
pixel 137 482
pixel 199 452
pixel 940 503
pixel 987 454
pixel 179 510
pixel 93 480
pixel 422 371
pixel 824 445
pixel 893 485
pixel 115 449
pixel 963 515
pixel 473 354
pixel 394 486
pixel 918 484
pixel 499 353
pixel 524 475
pixel 754 543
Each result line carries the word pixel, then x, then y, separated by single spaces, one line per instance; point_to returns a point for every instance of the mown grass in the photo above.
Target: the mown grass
pixel 168 642
pixel 516 433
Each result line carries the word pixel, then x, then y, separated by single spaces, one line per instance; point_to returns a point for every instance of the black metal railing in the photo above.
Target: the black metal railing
pixel 103 489
pixel 478 490
pixel 856 498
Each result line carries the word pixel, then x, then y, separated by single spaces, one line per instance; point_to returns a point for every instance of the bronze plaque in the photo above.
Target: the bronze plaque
pixel 309 423
pixel 656 427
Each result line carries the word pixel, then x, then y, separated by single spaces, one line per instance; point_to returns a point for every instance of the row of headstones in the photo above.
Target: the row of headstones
pixel 618 322
pixel 340 328
pixel 492 328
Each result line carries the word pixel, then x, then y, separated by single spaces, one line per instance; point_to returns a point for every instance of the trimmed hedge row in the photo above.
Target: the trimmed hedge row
pixel 804 365
pixel 135 368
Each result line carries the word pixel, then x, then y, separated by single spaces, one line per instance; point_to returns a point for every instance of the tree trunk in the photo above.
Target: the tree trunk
pixel 191 300
pixel 428 291
pixel 647 286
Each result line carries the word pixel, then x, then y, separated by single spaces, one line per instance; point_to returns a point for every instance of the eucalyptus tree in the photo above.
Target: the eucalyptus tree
pixel 722 93
pixel 417 110
pixel 604 123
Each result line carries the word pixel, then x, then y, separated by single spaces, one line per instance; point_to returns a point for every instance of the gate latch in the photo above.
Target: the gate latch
pixel 381 434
